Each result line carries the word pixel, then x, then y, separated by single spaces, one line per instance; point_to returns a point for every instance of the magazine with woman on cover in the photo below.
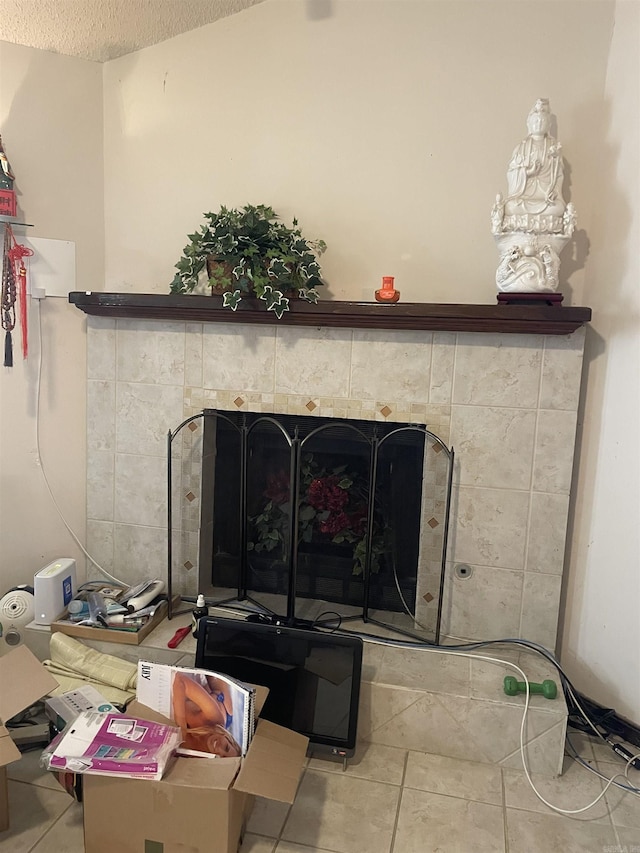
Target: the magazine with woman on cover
pixel 214 712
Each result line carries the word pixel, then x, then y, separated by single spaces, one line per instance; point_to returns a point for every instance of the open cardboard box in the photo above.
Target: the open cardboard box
pixel 23 681
pixel 201 805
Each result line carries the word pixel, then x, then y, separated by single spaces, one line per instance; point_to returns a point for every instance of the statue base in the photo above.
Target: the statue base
pixel 529 263
pixel 529 298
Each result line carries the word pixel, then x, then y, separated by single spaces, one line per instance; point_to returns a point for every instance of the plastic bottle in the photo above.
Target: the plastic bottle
pixel 77 607
pixel 199 611
pixel 97 610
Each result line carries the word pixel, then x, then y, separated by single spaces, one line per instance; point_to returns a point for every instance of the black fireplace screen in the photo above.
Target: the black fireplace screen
pixel 348 514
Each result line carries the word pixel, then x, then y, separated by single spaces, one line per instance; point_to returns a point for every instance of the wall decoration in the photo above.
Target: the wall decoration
pixel 14 289
pixel 8 205
pixel 14 272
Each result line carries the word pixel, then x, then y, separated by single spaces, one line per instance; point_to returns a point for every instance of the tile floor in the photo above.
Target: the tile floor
pixel 388 801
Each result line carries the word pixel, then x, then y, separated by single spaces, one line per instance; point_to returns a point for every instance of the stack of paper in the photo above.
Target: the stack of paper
pixel 113 744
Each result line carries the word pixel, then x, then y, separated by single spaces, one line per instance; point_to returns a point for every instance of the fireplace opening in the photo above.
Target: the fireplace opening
pixel 299 509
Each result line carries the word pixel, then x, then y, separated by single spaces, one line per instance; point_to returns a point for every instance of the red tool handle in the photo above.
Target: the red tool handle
pixel 178 637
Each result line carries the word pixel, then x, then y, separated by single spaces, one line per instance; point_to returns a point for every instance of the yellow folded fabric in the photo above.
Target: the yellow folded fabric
pixel 70 658
pixel 111 694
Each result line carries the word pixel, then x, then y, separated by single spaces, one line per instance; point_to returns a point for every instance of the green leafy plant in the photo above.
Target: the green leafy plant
pixel 248 251
pixel 332 509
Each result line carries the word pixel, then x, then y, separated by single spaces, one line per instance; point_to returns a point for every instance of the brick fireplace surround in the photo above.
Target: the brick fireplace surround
pixel 505 400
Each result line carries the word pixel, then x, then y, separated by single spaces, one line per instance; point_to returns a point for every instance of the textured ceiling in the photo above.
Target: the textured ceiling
pixel 100 30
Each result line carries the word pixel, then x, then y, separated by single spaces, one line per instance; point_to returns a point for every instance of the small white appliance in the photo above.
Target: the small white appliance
pixel 53 588
pixel 66 707
pixel 16 611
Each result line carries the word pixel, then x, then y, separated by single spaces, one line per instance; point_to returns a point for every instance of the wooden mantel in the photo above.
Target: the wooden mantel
pixel 533 319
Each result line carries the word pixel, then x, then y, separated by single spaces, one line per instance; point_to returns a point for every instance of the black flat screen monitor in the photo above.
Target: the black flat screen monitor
pixel 313 677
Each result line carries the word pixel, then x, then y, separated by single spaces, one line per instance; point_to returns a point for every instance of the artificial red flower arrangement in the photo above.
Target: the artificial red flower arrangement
pixel 333 508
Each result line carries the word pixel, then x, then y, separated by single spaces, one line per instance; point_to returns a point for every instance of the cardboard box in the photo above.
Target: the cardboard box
pixel 23 681
pixel 201 805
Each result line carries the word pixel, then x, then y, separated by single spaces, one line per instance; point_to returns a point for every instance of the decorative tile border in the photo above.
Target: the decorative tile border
pixel 437 417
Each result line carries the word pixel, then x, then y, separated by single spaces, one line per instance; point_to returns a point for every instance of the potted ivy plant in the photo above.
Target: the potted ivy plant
pixel 248 251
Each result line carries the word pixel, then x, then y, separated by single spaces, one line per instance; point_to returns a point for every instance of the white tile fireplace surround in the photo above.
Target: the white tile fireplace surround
pixel 507 403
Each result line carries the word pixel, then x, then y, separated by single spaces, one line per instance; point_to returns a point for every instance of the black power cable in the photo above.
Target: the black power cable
pixel 603 718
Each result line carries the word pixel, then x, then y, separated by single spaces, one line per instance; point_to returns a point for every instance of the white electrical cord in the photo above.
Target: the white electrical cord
pixel 41 464
pixel 523 726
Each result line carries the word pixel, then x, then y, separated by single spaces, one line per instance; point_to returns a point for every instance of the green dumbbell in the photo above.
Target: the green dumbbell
pixel 512 687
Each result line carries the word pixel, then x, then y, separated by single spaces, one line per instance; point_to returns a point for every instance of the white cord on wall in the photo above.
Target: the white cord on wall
pixel 41 463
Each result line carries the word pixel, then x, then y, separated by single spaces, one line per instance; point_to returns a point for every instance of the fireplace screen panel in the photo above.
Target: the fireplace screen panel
pixel 305 515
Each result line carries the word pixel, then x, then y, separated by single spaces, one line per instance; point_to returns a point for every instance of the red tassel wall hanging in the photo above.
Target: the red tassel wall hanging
pixel 8 304
pixel 14 272
pixel 17 253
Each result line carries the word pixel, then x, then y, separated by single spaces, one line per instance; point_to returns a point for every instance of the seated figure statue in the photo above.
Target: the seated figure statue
pixel 535 173
pixel 532 224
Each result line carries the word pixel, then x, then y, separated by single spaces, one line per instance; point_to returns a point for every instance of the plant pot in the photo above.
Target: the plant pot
pixel 216 268
pixel 221 269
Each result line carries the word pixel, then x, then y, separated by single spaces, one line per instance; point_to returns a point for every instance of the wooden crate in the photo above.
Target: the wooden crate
pixel 115 634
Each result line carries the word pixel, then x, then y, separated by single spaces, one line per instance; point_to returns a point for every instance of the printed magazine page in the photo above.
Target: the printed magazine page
pixel 214 712
pixel 113 745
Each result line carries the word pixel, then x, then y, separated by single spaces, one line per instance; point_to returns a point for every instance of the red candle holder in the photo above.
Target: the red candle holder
pixel 387 293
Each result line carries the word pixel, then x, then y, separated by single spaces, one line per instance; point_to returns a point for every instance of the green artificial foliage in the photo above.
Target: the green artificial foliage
pixel 248 251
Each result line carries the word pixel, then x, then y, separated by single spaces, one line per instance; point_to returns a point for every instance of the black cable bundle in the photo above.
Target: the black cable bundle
pixel 605 719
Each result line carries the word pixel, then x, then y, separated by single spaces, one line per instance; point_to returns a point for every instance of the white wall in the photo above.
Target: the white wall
pixel 51 125
pixel 601 638
pixel 386 128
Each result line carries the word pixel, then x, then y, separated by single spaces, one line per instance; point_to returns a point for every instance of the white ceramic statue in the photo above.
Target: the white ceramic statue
pixel 532 224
